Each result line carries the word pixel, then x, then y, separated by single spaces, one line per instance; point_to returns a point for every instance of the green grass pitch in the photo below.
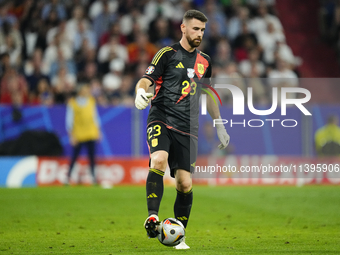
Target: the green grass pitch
pixel 224 220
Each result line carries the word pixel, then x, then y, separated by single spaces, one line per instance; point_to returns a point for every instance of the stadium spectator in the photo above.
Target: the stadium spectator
pixel 31 38
pixel 72 24
pixel 20 9
pixel 140 46
pixel 160 32
pixel 158 8
pixel 283 51
pixel 34 30
pixel 216 18
pixel 56 52
pixel 136 31
pixel 253 63
pixel 255 4
pixel 283 71
pixel 43 94
pixel 223 55
pixel 127 6
pixel 255 82
pixel 102 21
pixel 84 35
pixel 231 7
pixel 13 86
pixel 268 41
pixel 69 64
pixel 61 31
pixel 64 84
pixel 114 30
pixel 135 16
pixel 85 56
pixel 180 8
pixel 327 138
pixel 229 74
pixel 54 5
pixel 112 80
pixel 329 19
pixel 335 30
pixel 139 71
pixel 235 23
pixel 98 93
pixel 88 74
pixel 71 5
pixel 76 35
pixel 210 45
pixel 111 50
pixel 281 77
pixel 243 35
pixel 244 42
pixel 13 51
pixel 83 127
pixel 259 23
pixel 124 95
pixel 4 63
pixel 33 71
pixel 99 6
pixel 51 21
pixel 5 16
pixel 11 42
pixel 329 23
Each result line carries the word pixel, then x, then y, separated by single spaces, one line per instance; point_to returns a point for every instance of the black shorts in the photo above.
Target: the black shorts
pixel 182 148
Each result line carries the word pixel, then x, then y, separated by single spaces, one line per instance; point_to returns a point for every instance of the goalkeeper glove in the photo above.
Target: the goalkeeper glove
pixel 142 99
pixel 222 136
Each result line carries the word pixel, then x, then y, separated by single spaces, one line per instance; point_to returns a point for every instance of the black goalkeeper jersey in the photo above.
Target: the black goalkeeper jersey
pixel 179 76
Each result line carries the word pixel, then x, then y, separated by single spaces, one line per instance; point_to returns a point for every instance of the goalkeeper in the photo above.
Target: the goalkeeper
pixel 177 72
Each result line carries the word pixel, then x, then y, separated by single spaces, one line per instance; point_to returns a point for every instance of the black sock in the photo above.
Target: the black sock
pixel 182 206
pixel 154 190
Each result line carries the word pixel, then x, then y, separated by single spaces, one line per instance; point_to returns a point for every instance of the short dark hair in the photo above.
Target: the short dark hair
pixel 332 119
pixel 194 14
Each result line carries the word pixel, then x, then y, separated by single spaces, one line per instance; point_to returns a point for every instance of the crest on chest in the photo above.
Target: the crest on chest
pixel 200 69
pixel 191 72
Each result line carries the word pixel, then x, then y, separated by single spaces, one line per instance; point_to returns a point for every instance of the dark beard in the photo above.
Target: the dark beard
pixel 192 43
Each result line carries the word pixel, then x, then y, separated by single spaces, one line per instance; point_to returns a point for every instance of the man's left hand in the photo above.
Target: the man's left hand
pixel 222 136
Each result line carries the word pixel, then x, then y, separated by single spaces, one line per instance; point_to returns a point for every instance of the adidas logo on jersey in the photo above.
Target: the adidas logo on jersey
pixel 180 65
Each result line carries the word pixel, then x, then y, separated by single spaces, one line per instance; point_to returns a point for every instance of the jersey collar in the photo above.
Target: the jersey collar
pixel 190 54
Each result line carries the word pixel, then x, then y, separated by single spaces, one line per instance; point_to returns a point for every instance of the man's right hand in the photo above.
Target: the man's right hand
pixel 142 99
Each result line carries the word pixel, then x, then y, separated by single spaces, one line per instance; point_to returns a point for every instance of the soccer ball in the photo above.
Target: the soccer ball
pixel 171 232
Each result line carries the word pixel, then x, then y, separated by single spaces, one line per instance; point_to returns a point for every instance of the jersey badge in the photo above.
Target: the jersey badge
pixel 191 72
pixel 150 70
pixel 200 68
pixel 154 142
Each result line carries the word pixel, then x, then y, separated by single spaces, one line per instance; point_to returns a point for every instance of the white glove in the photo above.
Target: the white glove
pixel 142 99
pixel 223 136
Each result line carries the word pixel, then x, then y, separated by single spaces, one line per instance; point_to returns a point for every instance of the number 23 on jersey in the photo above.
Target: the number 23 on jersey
pixel 189 88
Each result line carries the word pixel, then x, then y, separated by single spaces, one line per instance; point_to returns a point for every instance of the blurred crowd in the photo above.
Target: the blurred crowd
pixel 48 48
pixel 329 22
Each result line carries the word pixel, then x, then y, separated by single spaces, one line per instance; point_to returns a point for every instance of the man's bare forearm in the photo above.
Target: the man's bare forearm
pixel 143 83
pixel 212 108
